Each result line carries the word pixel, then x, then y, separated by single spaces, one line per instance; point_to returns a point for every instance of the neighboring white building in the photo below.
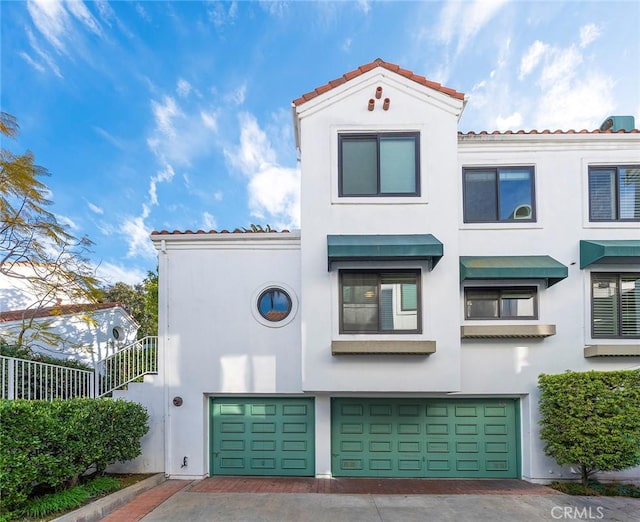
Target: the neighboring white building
pixel 83 332
pixel 401 333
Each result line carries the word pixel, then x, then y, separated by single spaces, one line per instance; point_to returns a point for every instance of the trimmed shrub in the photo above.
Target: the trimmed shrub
pixel 591 419
pixel 52 444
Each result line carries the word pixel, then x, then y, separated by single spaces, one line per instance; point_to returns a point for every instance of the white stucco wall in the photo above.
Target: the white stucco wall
pixel 512 366
pixel 211 342
pixel 412 108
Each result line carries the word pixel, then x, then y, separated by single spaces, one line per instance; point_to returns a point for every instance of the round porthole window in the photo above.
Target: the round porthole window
pixel 274 304
pixel 117 333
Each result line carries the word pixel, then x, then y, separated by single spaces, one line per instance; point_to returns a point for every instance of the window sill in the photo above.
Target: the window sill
pixel 612 350
pixel 507 331
pixel 383 347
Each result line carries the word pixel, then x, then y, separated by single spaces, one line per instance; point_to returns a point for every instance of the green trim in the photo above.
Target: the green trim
pixel 392 247
pixel 513 267
pixel 623 251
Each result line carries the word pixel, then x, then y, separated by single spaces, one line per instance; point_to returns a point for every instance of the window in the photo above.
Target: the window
pixel 614 193
pixel 498 194
pixel 274 304
pixel 501 303
pixel 385 164
pixel 380 302
pixel 615 305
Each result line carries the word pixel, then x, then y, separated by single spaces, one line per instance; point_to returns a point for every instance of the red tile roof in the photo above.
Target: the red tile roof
pixel 235 231
pixel 546 131
pixel 52 311
pixel 378 62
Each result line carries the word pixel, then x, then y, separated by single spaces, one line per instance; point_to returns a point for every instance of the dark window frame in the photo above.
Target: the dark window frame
pixel 619 305
pixel 273 315
pixel 500 289
pixel 607 168
pixel 377 135
pixel 496 169
pixel 380 272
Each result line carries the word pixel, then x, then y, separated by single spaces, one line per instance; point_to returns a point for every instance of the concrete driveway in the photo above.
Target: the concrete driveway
pixel 278 499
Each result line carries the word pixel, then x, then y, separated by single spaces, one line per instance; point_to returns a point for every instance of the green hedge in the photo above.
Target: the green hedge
pixel 591 419
pixel 52 444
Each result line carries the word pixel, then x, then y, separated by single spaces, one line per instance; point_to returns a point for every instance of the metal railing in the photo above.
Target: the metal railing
pixel 26 379
pixel 127 365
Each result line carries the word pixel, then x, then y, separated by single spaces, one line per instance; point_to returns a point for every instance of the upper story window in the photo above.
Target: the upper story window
pixel 379 164
pixel 374 301
pixel 614 193
pixel 498 194
pixel 615 305
pixel 501 303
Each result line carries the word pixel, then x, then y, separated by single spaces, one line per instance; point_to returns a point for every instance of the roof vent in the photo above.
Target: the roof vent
pixel 616 123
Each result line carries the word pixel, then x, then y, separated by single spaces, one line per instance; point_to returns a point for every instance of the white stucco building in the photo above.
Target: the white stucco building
pixel 86 332
pixel 402 331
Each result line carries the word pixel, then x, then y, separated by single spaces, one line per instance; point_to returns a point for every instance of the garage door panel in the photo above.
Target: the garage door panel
pixel 265 436
pixel 449 438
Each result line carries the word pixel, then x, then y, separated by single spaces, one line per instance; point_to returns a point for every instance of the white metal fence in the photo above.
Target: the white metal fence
pixel 127 365
pixel 25 379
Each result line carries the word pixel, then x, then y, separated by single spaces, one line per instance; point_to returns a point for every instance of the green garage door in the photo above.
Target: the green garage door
pixel 472 438
pixel 262 436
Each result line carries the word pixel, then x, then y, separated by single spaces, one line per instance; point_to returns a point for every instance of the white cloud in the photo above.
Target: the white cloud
pixel 142 12
pixel 465 19
pixel 112 273
pixel 532 58
pixel 95 208
pixel 274 190
pixel 184 88
pixel 180 132
pixel 208 222
pixel 116 142
pixel 217 196
pixel 513 121
pixel 80 11
pixel 364 6
pixel 577 104
pixel 219 16
pixel 51 19
pixel 43 55
pixel 588 34
pixel 67 222
pixel 137 235
pixel 164 114
pixel 238 95
pixel 210 120
pixel 164 175
pixel 38 67
pixel 560 67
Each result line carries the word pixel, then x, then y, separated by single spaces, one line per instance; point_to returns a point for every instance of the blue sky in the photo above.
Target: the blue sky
pixel 177 115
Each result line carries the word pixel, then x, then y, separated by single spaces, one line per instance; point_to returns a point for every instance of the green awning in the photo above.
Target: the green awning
pixel 512 267
pixel 623 251
pixel 392 247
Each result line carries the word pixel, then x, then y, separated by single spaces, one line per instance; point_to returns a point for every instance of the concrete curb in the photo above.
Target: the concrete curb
pixel 102 507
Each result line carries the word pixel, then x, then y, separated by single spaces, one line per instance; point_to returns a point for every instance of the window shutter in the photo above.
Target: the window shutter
pixel 630 305
pixel 602 195
pixel 605 306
